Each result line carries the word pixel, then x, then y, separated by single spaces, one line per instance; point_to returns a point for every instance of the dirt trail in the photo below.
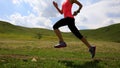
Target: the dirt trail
pixel 27 57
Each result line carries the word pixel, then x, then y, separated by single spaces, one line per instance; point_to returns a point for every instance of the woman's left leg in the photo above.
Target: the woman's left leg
pixel 56 26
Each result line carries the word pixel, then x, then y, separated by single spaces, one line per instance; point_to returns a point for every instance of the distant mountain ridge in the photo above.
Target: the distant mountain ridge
pixel 9 31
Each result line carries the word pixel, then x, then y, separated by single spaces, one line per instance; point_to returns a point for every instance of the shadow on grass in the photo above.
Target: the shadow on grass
pixel 87 64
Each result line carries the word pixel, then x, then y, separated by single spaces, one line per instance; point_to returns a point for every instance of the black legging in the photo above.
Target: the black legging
pixel 71 24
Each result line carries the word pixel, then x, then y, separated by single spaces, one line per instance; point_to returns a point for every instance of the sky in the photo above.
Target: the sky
pixel 42 14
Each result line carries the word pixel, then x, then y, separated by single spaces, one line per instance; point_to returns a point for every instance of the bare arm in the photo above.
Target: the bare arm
pixel 56 6
pixel 80 6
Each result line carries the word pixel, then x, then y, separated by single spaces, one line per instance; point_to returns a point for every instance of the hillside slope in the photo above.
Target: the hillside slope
pixel 109 33
pixel 9 31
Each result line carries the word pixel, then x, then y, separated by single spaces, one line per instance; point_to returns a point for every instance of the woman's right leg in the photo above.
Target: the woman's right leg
pixel 76 32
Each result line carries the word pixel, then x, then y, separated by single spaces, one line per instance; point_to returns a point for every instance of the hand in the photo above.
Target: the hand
pixel 75 13
pixel 55 4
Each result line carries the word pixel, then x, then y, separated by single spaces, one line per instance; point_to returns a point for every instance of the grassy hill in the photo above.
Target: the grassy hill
pixel 109 33
pixel 19 45
pixel 7 30
pixel 10 31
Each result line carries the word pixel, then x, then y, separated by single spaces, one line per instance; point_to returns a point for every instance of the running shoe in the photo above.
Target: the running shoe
pixel 60 45
pixel 92 51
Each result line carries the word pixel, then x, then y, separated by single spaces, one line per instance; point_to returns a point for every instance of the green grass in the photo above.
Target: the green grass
pixel 18 54
pixel 18 45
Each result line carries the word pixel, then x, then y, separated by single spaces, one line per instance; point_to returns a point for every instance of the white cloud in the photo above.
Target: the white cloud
pixel 30 21
pixel 93 15
pixel 16 1
pixel 43 10
pixel 43 7
pixel 97 15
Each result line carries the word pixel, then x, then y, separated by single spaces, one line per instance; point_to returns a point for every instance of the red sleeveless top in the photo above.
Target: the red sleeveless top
pixel 67 9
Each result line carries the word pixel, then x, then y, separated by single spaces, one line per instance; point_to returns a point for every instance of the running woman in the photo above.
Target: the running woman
pixel 69 20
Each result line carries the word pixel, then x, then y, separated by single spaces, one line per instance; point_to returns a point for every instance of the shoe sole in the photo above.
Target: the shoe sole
pixel 60 46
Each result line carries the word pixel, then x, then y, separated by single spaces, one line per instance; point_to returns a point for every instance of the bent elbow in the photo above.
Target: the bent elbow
pixel 81 5
pixel 61 12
